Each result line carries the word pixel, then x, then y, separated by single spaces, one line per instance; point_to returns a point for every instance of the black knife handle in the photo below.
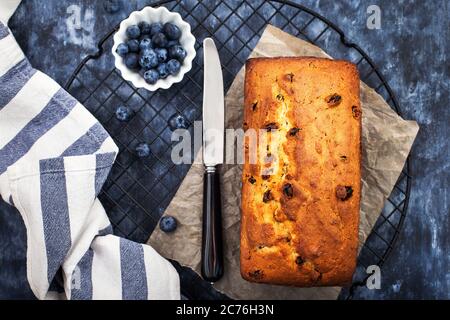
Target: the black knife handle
pixel 212 252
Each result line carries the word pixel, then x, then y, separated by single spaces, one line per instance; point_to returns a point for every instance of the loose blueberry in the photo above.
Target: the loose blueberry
pixel 132 61
pixel 159 40
pixel 148 59
pixel 133 45
pixel 156 28
pixel 173 66
pixel 168 224
pixel 144 27
pixel 133 32
pixel 151 76
pixel 177 122
pixel 122 49
pixel 123 113
pixel 142 150
pixel 177 52
pixel 145 44
pixel 161 53
pixel 172 31
pixel 162 70
pixel 172 43
pixel 112 6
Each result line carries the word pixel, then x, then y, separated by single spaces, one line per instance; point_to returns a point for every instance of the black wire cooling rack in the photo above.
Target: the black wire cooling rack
pixel 137 192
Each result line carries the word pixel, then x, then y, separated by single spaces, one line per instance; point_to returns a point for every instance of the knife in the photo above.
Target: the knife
pixel 213 146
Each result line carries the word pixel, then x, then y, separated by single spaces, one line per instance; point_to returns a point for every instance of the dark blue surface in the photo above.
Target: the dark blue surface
pixel 411 50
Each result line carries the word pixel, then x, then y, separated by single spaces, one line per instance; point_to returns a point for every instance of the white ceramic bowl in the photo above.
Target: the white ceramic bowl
pixel 151 15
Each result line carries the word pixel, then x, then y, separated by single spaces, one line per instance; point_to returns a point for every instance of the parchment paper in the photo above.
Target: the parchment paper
pixel 386 141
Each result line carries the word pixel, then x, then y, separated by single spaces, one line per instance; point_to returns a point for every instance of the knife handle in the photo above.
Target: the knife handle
pixel 212 254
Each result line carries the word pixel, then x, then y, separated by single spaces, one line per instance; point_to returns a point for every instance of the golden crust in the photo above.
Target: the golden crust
pixel 300 224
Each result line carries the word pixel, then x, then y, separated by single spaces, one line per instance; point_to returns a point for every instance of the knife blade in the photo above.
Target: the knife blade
pixel 213 146
pixel 213 106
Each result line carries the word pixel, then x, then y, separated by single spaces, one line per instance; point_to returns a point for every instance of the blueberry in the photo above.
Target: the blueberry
pixel 132 61
pixel 151 76
pixel 177 122
pixel 123 113
pixel 168 224
pixel 133 32
pixel 161 53
pixel 148 59
pixel 172 31
pixel 173 66
pixel 162 70
pixel 159 40
pixel 142 150
pixel 144 27
pixel 122 49
pixel 177 52
pixel 111 6
pixel 133 45
pixel 156 28
pixel 172 43
pixel 145 44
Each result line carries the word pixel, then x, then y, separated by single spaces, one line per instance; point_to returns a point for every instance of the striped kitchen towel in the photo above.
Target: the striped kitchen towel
pixel 54 159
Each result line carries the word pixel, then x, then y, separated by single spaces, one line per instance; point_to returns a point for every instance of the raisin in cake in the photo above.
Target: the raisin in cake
pixel 300 200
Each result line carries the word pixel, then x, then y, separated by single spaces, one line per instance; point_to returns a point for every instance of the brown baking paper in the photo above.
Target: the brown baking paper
pixel 386 141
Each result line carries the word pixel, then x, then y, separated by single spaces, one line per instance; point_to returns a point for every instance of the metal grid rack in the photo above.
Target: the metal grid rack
pixel 137 191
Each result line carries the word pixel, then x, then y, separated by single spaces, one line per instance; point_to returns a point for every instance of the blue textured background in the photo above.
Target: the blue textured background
pixel 411 50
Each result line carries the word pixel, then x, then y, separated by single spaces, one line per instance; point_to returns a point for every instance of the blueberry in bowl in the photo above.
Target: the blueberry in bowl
pixel 133 45
pixel 156 28
pixel 145 27
pixel 162 54
pixel 148 59
pixel 145 44
pixel 133 32
pixel 153 48
pixel 177 52
pixel 172 31
pixel 163 72
pixel 132 61
pixel 151 76
pixel 173 66
pixel 122 49
pixel 160 40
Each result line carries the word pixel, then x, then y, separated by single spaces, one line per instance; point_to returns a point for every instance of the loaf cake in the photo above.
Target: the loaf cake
pixel 301 197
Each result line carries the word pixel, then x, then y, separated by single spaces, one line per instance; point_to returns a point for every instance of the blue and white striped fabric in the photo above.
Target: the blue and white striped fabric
pixel 54 159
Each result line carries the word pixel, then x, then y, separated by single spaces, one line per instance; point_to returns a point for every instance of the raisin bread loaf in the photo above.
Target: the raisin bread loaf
pixel 300 200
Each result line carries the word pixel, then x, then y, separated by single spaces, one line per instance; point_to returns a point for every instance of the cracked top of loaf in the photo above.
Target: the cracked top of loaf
pixel 301 197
